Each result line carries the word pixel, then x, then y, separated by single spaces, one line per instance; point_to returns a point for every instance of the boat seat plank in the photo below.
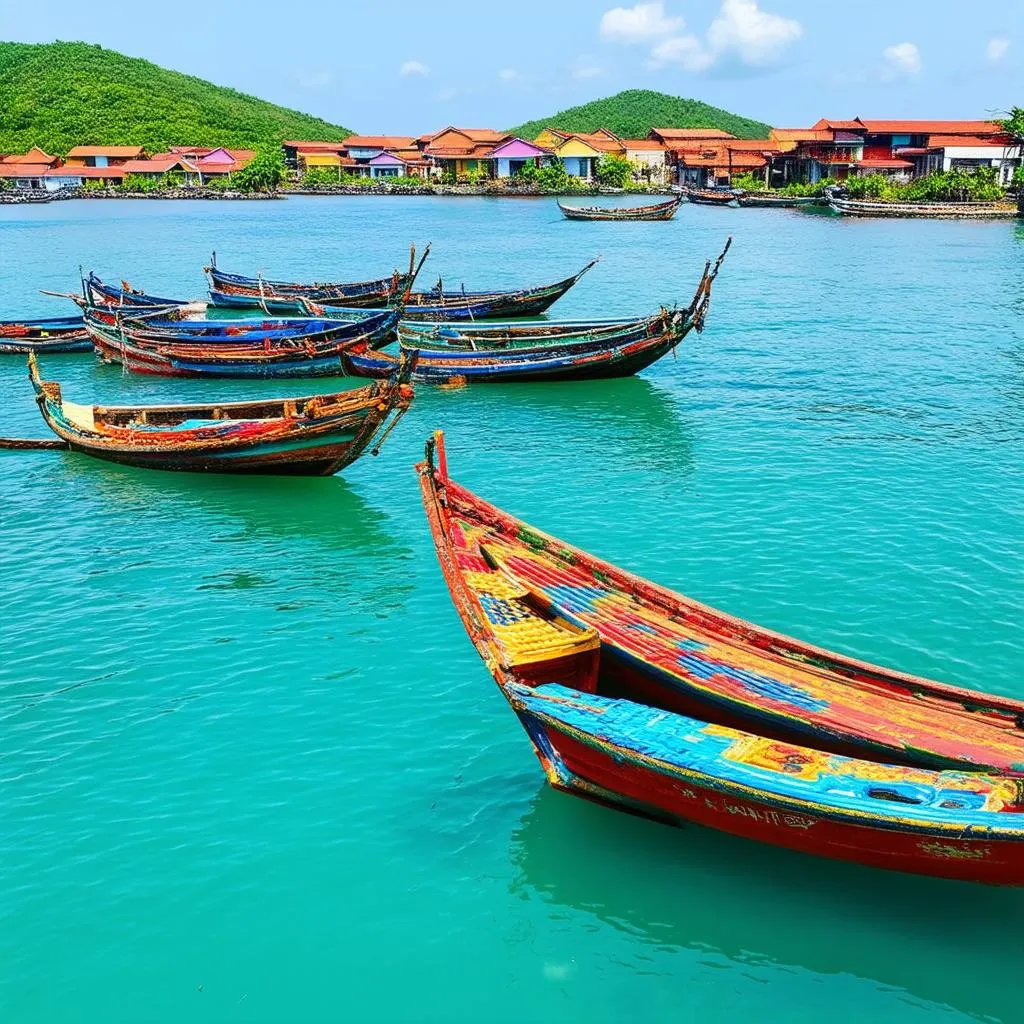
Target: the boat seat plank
pixel 759 684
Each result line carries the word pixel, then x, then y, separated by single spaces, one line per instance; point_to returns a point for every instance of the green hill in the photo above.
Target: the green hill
pixel 633 113
pixel 61 95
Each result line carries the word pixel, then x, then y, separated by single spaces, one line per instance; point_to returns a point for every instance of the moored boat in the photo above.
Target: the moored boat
pixel 296 347
pixel 314 435
pixel 47 334
pixel 945 211
pixel 96 292
pixel 439 305
pixel 600 731
pixel 240 292
pixel 650 211
pixel 710 196
pixel 549 350
pixel 778 200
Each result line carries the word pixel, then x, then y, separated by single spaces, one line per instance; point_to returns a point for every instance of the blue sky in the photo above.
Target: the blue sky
pixel 412 68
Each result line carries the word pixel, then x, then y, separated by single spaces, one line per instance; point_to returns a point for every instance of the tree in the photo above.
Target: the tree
pixel 614 172
pixel 262 174
pixel 1014 124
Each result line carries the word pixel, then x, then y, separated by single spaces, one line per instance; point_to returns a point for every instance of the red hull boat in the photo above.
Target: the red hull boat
pixel 599 738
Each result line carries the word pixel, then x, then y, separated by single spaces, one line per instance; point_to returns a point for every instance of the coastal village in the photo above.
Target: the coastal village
pixel 694 157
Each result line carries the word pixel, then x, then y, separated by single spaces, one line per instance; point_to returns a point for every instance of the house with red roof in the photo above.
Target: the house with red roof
pixel 900 148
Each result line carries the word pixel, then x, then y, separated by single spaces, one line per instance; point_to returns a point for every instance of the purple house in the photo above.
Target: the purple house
pixel 512 155
pixel 387 165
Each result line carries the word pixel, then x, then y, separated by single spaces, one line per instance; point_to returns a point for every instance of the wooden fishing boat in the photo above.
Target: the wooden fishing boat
pixel 774 199
pixel 299 347
pixel 49 334
pixel 436 304
pixel 710 196
pixel 97 292
pixel 316 435
pixel 651 211
pixel 946 211
pixel 552 624
pixel 236 291
pixel 513 353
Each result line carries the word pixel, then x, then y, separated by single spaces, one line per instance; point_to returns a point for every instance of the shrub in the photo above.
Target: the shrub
pixel 321 176
pixel 139 183
pixel 263 173
pixel 958 186
pixel 614 172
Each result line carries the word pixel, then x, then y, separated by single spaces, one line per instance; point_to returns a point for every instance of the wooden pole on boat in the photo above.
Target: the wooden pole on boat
pixel 31 444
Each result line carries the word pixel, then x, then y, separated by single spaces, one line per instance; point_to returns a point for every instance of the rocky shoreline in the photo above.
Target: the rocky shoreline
pixel 377 189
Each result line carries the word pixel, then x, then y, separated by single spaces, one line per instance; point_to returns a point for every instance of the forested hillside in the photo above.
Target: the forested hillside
pixel 633 113
pixel 61 95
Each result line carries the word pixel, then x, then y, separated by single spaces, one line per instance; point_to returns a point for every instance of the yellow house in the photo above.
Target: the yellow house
pixel 321 159
pixel 577 155
pixel 550 138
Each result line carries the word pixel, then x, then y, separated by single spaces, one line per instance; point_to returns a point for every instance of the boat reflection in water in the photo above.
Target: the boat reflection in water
pixel 762 907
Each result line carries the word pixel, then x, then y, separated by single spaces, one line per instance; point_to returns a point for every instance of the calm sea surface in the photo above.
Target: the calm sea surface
pixel 251 767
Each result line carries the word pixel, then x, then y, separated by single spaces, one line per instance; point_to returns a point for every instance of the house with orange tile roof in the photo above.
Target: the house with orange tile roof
pixel 704 164
pixel 28 170
pixel 459 151
pixel 102 156
pixel 897 147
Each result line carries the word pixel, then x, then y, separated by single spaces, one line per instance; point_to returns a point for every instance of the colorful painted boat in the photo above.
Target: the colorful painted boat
pixel 651 211
pixel 299 347
pixel 513 353
pixel 599 733
pixel 436 304
pixel 316 435
pixel 236 291
pixel 710 196
pixel 97 292
pixel 49 334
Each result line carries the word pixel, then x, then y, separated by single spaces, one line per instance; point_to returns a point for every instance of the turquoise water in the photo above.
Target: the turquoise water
pixel 252 768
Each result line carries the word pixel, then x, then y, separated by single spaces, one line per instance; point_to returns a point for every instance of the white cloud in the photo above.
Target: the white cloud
pixel 413 67
pixel 508 74
pixel 315 79
pixel 758 38
pixel 996 49
pixel 901 61
pixel 740 32
pixel 448 93
pixel 686 51
pixel 638 24
pixel 584 67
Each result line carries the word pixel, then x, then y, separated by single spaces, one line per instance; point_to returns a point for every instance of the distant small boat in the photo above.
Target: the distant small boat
pixel 315 435
pixel 773 199
pixel 710 196
pixel 651 211
pixel 49 334
pixel 946 211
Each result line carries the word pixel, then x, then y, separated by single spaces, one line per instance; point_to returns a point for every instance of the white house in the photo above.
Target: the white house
pixel 964 152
